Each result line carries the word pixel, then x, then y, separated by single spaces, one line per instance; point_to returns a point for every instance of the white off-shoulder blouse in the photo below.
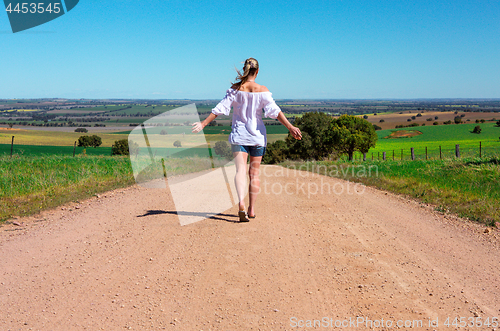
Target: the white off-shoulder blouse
pixel 248 129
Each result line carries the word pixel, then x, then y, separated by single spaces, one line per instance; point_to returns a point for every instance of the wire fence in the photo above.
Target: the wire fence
pixel 433 153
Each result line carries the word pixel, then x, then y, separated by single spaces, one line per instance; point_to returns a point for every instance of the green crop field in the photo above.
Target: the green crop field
pixel 446 136
pixel 52 150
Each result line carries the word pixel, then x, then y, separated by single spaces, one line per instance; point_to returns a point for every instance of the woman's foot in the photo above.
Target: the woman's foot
pixel 251 213
pixel 243 216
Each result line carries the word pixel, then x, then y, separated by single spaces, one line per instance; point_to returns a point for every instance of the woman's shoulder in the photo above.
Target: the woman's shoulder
pixel 263 89
pixel 255 88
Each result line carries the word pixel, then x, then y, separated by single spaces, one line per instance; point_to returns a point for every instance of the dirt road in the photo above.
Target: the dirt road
pixel 344 258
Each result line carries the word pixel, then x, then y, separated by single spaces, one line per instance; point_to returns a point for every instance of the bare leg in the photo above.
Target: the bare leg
pixel 240 180
pixel 254 187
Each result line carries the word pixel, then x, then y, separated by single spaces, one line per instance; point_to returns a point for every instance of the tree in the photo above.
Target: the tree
pixel 477 129
pixel 177 143
pixel 498 123
pixel 222 149
pixel 81 130
pixel 350 133
pixel 163 132
pixel 458 120
pixel 122 147
pixel 11 125
pixel 95 141
pixel 89 141
pixel 314 127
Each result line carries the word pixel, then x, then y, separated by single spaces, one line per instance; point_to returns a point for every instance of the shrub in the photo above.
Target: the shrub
pixel 498 123
pixel 276 152
pixel 382 121
pixel 477 129
pixel 377 127
pixel 429 119
pixel 436 117
pixel 483 120
pixel 222 149
pixel 447 122
pixel 315 127
pixel 435 123
pixel 89 141
pixel 121 147
pixel 81 130
pixel 458 120
pixel 419 115
pixel 365 117
pixel 163 132
pixel 177 143
pixel 414 117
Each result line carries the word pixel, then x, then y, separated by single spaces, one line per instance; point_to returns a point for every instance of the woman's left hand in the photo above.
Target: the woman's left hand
pixel 197 127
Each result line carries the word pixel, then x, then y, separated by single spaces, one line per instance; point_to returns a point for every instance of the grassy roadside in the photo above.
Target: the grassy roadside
pixel 29 184
pixel 468 187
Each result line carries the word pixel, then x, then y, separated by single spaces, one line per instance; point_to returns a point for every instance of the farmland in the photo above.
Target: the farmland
pixel 446 136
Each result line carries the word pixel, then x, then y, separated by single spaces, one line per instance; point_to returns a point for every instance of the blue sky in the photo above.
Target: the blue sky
pixel 333 49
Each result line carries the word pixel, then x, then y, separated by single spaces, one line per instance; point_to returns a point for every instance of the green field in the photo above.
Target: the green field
pixel 446 136
pixel 29 184
pixel 60 150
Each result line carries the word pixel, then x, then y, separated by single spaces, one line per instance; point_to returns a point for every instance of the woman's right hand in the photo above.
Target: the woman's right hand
pixel 197 127
pixel 295 132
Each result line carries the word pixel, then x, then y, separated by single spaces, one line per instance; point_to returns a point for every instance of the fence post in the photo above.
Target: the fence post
pixel 383 156
pixel 401 154
pixel 440 155
pixel 393 155
pixel 74 149
pixel 12 146
pixel 425 152
pixel 480 150
pixel 457 150
pixel 412 154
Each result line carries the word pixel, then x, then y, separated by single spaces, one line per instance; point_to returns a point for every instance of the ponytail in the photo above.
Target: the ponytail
pixel 249 69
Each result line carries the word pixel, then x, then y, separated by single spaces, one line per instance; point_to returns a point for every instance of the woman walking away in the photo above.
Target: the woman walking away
pixel 248 132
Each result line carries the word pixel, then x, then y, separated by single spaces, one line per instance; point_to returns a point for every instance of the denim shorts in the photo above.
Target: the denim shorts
pixel 252 150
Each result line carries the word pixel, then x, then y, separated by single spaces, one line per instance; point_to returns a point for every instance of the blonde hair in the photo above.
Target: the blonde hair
pixel 249 69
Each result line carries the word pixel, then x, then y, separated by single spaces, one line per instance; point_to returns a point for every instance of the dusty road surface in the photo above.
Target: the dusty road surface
pixel 353 259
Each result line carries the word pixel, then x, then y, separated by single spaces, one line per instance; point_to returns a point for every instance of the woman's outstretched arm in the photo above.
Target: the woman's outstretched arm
pixel 198 126
pixel 295 131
